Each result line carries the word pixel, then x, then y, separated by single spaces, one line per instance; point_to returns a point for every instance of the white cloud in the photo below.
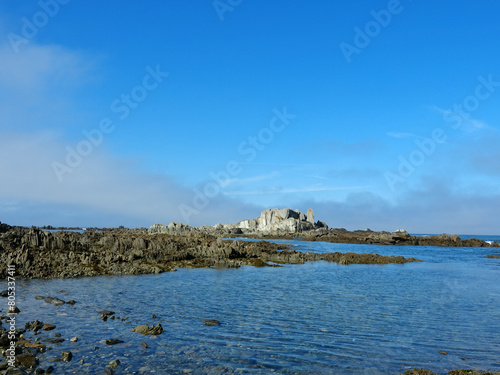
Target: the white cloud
pixel 40 67
pixel 100 186
pixel 282 190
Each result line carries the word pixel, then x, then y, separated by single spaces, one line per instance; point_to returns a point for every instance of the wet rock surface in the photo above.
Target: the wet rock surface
pixel 43 254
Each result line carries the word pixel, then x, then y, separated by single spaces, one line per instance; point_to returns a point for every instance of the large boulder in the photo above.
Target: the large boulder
pixel 282 220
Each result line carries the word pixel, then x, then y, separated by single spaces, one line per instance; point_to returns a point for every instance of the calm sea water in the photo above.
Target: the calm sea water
pixel 316 318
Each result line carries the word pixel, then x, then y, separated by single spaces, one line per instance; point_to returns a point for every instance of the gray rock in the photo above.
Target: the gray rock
pixel 54 301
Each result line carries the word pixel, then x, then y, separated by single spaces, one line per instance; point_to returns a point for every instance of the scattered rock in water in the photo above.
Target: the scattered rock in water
pixel 211 322
pixel 106 312
pixel 67 356
pixel 39 297
pixel 34 326
pixel 109 371
pixel 115 363
pixel 4 293
pixel 74 339
pixel 54 301
pixel 56 340
pixel 71 302
pixel 493 256
pixel 113 341
pixel 57 335
pixel 146 330
pixel 144 345
pixel 27 360
pixel 13 310
pixel 41 347
pixel 442 352
pixel 48 327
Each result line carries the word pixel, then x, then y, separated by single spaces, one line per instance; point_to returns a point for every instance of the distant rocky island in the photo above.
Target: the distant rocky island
pixel 288 223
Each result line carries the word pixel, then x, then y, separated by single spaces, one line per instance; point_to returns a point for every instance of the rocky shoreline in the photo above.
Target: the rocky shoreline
pixel 45 254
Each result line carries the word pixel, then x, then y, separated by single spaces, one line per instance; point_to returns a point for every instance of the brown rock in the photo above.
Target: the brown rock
pixel 27 360
pixel 48 327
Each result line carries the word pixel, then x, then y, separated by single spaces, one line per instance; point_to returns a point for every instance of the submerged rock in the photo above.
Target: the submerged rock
pixel 146 330
pixel 48 327
pixel 211 322
pixel 113 341
pixel 54 301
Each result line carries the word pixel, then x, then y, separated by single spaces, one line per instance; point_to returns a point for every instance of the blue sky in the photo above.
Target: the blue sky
pixel 379 114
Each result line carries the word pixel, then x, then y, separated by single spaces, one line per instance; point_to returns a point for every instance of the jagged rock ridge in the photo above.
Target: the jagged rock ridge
pixel 276 220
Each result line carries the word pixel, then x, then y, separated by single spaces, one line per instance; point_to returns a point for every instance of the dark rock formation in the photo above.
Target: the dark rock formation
pixel 211 322
pixel 43 254
pixel 399 237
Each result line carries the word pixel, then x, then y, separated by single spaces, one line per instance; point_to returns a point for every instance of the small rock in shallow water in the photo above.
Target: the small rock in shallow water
pixel 54 341
pixel 41 347
pixel 73 339
pixel 211 322
pixel 54 301
pixel 115 363
pixel 71 302
pixel 106 312
pixel 144 345
pixel 35 325
pixel 67 356
pixel 13 310
pixel 48 327
pixel 27 360
pixel 442 352
pixel 145 330
pixel 113 341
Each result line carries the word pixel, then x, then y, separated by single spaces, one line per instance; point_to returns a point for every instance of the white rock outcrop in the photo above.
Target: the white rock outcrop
pixel 283 220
